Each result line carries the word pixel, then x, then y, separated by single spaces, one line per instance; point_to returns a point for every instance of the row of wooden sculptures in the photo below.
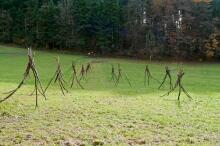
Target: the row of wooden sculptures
pixel 116 77
pixel 148 76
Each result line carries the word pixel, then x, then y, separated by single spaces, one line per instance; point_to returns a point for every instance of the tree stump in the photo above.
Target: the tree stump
pixel 167 75
pixel 37 83
pixel 179 85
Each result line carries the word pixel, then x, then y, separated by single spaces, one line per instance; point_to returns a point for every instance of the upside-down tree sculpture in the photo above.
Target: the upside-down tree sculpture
pixel 88 68
pixel 167 75
pixel 38 88
pixel 148 76
pixel 119 77
pixel 74 77
pixel 113 73
pixel 82 73
pixel 58 78
pixel 179 84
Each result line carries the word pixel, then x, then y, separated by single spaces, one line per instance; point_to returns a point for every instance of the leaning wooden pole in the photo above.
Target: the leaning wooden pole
pixel 113 75
pixel 82 73
pixel 119 75
pixel 74 77
pixel 88 68
pixel 38 88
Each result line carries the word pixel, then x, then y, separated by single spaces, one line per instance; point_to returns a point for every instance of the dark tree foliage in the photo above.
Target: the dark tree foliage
pixel 178 29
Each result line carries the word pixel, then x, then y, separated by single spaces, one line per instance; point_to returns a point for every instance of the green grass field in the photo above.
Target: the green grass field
pixel 103 113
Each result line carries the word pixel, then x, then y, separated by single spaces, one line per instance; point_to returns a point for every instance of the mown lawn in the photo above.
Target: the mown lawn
pixel 105 114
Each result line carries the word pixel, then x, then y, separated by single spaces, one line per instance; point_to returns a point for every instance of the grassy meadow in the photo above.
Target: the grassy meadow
pixel 103 114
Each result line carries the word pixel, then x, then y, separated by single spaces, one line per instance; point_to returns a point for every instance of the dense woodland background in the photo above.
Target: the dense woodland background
pixel 186 29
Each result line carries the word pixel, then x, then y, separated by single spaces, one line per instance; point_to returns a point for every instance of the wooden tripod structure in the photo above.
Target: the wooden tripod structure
pixel 38 88
pixel 74 77
pixel 82 73
pixel 113 74
pixel 179 84
pixel 119 77
pixel 167 75
pixel 88 68
pixel 58 77
pixel 148 76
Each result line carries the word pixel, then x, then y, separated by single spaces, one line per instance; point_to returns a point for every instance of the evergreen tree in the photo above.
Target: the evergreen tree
pixel 48 27
pixel 147 28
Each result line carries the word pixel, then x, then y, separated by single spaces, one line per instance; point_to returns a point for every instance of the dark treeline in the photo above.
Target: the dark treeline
pixel 186 29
